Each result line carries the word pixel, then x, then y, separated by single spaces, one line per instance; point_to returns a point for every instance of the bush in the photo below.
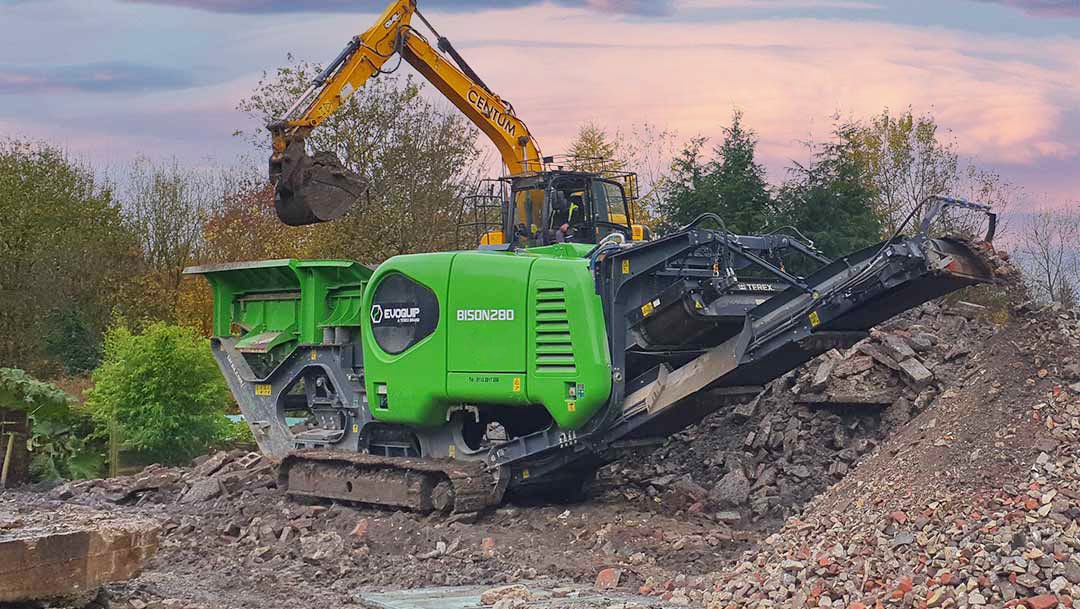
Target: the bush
pixel 237 435
pixel 61 441
pixel 162 389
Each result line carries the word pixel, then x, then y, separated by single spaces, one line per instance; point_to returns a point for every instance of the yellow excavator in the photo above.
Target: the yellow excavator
pixel 318 188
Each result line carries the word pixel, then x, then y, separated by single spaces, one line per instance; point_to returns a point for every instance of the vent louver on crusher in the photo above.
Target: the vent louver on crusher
pixel 554 347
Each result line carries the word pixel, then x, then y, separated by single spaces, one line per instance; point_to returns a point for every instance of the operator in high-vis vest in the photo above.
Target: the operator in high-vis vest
pixel 567 214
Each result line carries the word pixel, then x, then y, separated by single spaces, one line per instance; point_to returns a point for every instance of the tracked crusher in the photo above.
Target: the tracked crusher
pixel 443 381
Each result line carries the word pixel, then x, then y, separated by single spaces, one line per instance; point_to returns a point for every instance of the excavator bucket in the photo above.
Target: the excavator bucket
pixel 313 189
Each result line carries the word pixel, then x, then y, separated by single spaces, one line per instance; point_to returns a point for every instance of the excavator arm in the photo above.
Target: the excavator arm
pixel 318 188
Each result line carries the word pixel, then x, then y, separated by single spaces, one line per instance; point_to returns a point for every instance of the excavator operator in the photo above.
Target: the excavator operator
pixel 566 215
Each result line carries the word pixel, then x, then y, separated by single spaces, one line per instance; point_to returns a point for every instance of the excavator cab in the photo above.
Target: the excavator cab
pixel 551 207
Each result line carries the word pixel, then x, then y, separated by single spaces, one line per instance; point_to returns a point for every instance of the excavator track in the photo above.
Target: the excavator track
pixel 417 484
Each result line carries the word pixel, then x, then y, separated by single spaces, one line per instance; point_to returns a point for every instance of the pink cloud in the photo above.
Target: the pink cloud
pixel 1003 97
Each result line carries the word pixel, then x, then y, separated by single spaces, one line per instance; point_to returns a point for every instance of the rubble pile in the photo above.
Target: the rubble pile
pixel 972 504
pixel 760 462
pixel 211 476
pixel 226 526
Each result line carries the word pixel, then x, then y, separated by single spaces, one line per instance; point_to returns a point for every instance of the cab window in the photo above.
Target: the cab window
pixel 610 203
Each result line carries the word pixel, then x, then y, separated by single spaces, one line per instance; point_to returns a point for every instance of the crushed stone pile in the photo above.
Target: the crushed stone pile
pixel 759 463
pixel 972 503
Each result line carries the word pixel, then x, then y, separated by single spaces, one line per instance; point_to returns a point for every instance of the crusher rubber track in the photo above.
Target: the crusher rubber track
pixel 416 484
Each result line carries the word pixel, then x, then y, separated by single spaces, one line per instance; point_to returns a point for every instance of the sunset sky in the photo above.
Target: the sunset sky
pixel 111 79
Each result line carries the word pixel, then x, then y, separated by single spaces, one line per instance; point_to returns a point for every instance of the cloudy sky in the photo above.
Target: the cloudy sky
pixel 110 79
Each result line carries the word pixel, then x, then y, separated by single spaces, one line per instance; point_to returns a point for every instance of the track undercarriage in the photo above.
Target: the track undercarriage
pixel 413 483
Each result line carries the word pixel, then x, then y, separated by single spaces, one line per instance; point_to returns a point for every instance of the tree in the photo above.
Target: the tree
pixel 419 160
pixel 907 162
pixel 648 151
pixel 244 226
pixel 739 180
pixel 732 184
pixel 689 193
pixel 167 205
pixel 66 258
pixel 831 200
pixel 645 150
pixel 593 149
pixel 163 391
pixel 1050 255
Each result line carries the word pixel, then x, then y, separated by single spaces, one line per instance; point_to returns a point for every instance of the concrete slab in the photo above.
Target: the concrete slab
pixel 468 597
pixel 69 553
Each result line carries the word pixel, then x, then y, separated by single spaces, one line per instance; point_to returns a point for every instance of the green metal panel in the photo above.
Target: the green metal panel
pixel 553 353
pixel 508 389
pixel 570 367
pixel 561 250
pixel 414 381
pixel 293 297
pixel 486 312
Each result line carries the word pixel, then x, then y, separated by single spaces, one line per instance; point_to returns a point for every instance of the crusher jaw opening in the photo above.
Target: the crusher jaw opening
pixel 309 189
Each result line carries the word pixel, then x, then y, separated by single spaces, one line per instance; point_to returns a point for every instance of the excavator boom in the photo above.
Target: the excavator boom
pixel 319 188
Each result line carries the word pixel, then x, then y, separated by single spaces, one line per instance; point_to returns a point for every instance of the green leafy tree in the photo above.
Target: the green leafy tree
pixel 594 149
pixel 65 253
pixel 162 390
pixel 70 339
pixel 419 159
pixel 690 191
pixel 908 158
pixel 831 200
pixel 732 184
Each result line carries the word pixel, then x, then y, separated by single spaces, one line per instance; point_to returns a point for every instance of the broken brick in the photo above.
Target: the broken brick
pixel 1043 601
pixel 608 579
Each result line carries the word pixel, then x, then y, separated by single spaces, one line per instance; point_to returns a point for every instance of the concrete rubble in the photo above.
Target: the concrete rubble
pixel 810 428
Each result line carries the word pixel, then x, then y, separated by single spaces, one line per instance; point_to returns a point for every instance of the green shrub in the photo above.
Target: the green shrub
pixel 163 391
pixel 236 435
pixel 61 442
